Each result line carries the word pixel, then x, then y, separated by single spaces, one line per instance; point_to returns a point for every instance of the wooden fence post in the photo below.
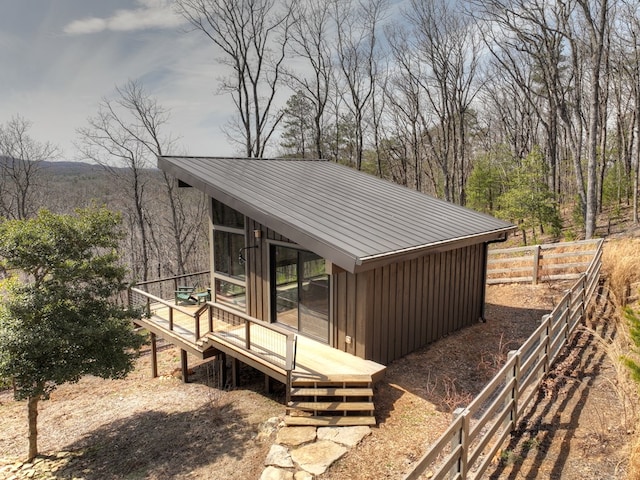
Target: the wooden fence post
pixel 536 264
pixel 567 317
pixel 583 296
pixel 460 439
pixel 184 366
pixel 545 337
pixel 512 401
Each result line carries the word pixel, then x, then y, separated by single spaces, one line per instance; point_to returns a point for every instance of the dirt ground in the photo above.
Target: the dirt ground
pixel 161 428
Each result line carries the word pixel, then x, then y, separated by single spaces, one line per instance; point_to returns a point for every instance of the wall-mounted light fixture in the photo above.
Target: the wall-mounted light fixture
pixel 241 259
pixel 257 233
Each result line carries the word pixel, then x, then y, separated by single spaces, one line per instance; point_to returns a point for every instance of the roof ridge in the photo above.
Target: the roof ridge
pixel 287 159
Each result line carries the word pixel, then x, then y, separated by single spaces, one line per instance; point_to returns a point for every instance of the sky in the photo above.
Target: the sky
pixel 60 58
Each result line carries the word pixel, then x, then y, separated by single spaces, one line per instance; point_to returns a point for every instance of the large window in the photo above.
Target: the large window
pixel 226 216
pixel 227 247
pixel 228 243
pixel 300 291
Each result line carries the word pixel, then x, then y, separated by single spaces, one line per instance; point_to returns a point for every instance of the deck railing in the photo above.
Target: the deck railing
pixel 168 310
pixel 165 287
pixel 477 432
pixel 272 344
pixel 267 341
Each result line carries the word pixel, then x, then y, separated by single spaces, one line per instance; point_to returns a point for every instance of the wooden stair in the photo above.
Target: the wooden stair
pixel 331 403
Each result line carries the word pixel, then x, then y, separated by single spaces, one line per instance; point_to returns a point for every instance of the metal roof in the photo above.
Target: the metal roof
pixel 353 219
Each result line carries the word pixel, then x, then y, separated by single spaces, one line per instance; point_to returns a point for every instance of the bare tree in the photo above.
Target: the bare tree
pixel 21 158
pixel 629 64
pixel 185 218
pixel 252 36
pixel 126 137
pixel 527 42
pixel 108 141
pixel 357 51
pixel 447 45
pixel 595 24
pixel 407 111
pixel 309 41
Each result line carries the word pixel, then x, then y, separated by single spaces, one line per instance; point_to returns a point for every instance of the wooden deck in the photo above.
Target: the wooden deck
pixel 314 361
pixel 324 386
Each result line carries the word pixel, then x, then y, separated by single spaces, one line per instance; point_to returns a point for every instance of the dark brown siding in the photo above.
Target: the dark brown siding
pixel 352 313
pixel 390 311
pixel 411 303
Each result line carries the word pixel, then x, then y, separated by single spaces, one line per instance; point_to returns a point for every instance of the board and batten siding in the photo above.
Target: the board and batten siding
pixel 389 311
pixel 393 310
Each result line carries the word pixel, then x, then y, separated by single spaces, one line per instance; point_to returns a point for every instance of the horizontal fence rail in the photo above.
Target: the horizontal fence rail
pixel 539 263
pixel 468 447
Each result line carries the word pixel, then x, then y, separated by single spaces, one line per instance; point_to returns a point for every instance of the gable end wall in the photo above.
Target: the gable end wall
pixel 393 310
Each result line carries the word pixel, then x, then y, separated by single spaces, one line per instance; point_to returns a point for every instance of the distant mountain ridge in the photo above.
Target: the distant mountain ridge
pixel 71 168
pixel 67 167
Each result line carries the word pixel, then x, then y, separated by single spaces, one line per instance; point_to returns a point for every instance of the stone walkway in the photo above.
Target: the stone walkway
pixel 301 453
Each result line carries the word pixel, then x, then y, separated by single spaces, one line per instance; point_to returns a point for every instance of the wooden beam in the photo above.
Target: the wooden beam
pixel 332 268
pixel 154 356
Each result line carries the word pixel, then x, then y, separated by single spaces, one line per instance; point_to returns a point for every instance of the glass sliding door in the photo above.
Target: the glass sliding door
pixel 313 307
pixel 285 285
pixel 300 291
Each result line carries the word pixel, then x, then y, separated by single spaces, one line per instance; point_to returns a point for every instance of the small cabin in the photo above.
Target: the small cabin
pixel 360 264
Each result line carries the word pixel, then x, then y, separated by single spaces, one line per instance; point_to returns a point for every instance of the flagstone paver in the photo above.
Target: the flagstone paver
pixel 274 473
pixel 348 436
pixel 318 456
pixel 279 456
pixel 301 453
pixel 294 436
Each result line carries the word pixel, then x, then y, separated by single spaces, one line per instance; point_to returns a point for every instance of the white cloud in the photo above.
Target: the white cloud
pixel 86 26
pixel 151 14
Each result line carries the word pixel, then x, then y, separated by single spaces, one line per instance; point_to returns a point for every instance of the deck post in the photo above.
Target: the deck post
pixel 154 355
pixel 221 361
pixel 267 384
pixel 185 366
pixel 247 334
pixel 235 372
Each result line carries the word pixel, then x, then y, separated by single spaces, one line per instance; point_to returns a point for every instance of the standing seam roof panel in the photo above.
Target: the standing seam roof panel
pixel 339 209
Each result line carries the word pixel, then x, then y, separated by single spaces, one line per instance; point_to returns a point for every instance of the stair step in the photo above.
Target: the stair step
pixel 302 379
pixel 332 392
pixel 332 406
pixel 329 421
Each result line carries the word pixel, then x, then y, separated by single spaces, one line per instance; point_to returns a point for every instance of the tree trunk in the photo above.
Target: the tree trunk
pixel 32 408
pixel 636 177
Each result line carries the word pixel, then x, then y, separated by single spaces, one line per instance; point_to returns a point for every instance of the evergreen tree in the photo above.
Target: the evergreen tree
pixel 297 138
pixel 58 319
pixel 529 202
pixel 487 181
